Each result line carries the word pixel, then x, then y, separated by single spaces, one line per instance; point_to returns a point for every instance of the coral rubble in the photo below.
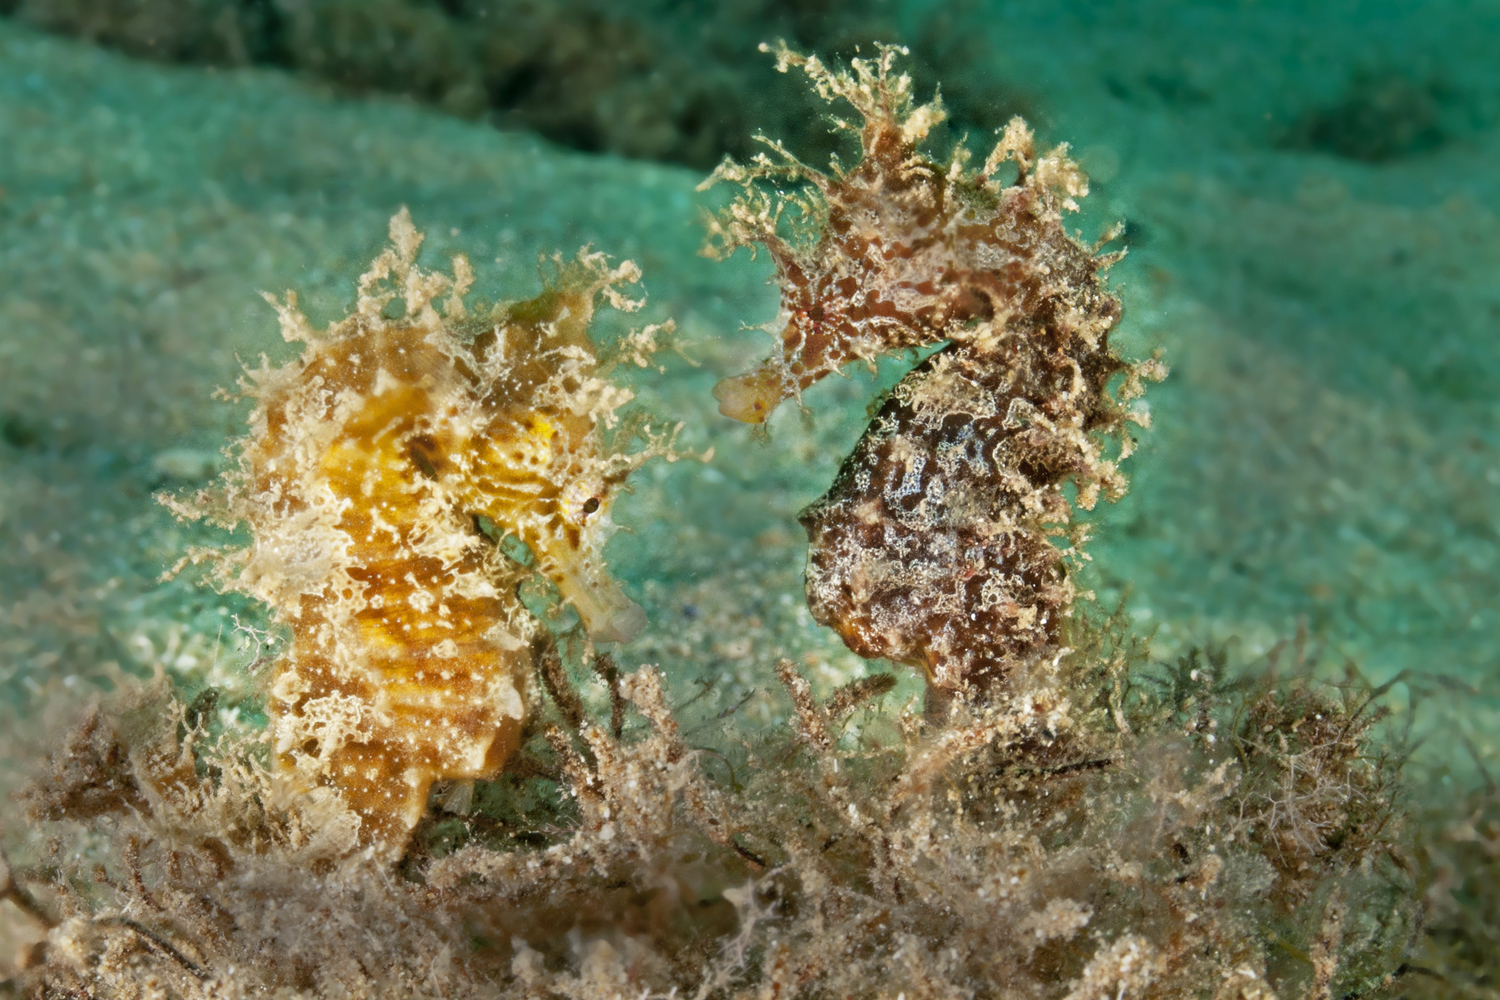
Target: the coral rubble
pixel 381 471
pixel 935 545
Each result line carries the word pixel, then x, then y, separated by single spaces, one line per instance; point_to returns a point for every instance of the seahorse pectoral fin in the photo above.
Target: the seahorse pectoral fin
pixel 608 615
pixel 750 398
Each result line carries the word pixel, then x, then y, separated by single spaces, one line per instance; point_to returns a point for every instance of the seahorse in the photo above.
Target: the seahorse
pixel 380 470
pixel 936 545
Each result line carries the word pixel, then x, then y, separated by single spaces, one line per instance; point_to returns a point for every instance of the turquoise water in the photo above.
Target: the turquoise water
pixel 1311 196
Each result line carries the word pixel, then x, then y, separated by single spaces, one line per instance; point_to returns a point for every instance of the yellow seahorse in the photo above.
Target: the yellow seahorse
pixel 372 464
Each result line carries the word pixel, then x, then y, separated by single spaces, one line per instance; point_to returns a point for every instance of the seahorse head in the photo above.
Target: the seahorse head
pixel 548 464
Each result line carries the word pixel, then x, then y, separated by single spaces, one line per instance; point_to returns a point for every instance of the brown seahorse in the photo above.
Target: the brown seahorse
pixel 369 465
pixel 936 545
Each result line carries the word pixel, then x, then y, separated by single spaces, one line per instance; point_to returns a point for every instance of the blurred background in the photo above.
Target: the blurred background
pixel 1309 191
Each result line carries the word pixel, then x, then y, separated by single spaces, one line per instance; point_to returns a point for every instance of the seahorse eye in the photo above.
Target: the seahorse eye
pixel 590 505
